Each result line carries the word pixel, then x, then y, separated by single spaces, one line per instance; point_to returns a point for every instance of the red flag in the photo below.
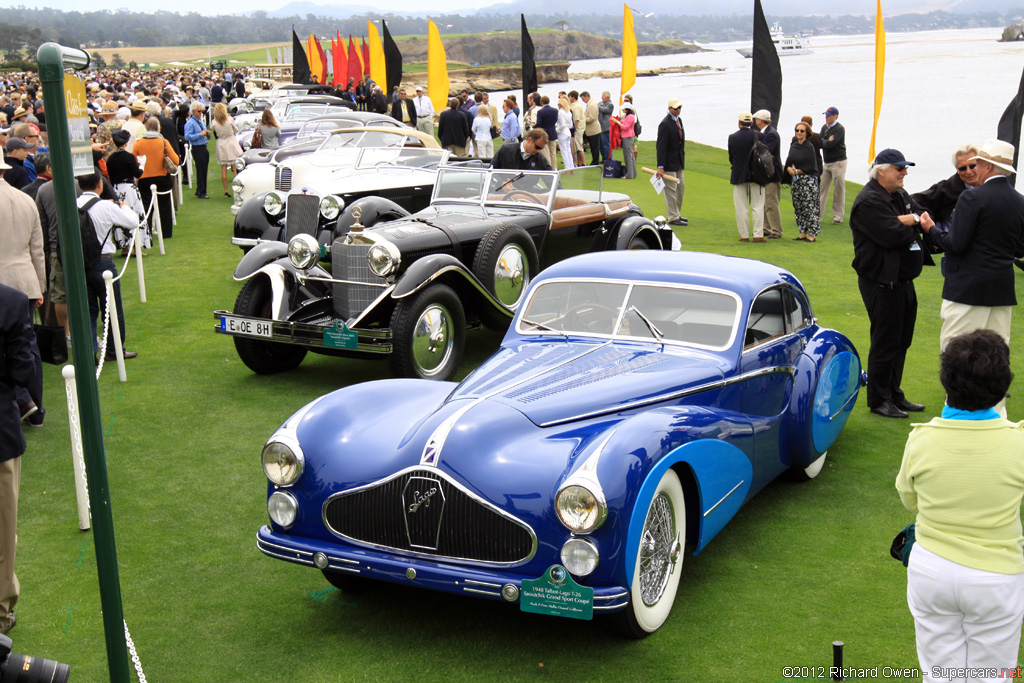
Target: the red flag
pixel 355 62
pixel 341 64
pixel 323 61
pixel 366 61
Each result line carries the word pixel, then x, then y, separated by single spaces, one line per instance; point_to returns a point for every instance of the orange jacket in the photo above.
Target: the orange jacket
pixel 153 149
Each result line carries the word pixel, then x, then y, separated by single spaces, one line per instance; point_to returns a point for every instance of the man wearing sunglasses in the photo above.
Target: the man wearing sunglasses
pixel 986 233
pixel 940 199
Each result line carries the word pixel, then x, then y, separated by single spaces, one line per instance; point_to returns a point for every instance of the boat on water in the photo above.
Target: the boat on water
pixel 784 45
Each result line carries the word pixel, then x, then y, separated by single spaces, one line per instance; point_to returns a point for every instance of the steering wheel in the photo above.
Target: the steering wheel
pixel 522 196
pixel 591 316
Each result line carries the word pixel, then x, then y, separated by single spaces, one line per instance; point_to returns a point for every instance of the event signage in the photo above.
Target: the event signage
pixel 556 594
pixel 340 337
pixel 78 125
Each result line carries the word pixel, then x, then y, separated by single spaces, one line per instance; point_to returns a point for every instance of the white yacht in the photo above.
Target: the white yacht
pixel 784 45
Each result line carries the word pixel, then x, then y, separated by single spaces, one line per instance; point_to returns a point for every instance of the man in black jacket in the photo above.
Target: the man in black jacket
pixel 888 254
pixel 404 109
pixel 16 370
pixel 747 196
pixel 986 234
pixel 773 190
pixel 452 129
pixel 833 149
pixel 940 199
pixel 526 156
pixel 671 149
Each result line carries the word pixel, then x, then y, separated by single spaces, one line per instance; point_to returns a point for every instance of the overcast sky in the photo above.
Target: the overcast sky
pixel 204 6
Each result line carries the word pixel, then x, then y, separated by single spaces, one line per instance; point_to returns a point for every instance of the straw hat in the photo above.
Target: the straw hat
pixel 746 117
pixel 997 153
pixel 138 107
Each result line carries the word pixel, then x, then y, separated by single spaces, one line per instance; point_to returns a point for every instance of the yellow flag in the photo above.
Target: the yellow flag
pixel 628 53
pixel 316 66
pixel 437 69
pixel 879 74
pixel 378 71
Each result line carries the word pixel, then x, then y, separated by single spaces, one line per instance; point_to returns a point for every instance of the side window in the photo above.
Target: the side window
pixel 797 315
pixel 766 319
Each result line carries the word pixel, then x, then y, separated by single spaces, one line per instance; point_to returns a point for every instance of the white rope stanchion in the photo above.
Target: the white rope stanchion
pixel 190 162
pixel 138 263
pixel 154 212
pixel 111 316
pixel 178 184
pixel 77 454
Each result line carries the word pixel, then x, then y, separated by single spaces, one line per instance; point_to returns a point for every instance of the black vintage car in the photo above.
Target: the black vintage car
pixel 408 285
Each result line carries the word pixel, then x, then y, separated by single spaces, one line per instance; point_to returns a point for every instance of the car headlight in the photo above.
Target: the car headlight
pixel 237 186
pixel 281 463
pixel 239 165
pixel 303 251
pixel 384 258
pixel 273 204
pixel 579 509
pixel 580 556
pixel 283 508
pixel 330 207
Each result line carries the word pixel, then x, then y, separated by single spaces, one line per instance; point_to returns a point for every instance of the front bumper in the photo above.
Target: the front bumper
pixel 439 576
pixel 305 334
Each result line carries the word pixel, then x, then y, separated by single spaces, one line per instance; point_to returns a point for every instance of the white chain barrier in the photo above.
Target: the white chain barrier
pixel 135 655
pixel 77 454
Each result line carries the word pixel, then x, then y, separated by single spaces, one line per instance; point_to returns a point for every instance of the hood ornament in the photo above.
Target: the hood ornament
pixel 357 213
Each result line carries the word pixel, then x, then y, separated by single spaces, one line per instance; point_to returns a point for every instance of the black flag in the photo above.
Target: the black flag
pixel 529 65
pixel 392 59
pixel 766 72
pixel 1009 125
pixel 300 65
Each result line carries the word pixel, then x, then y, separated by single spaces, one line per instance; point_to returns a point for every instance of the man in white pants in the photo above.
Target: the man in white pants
pixel 424 112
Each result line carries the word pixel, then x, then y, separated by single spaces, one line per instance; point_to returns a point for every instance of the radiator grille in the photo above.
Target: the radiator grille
pixel 422 511
pixel 302 215
pixel 283 179
pixel 348 262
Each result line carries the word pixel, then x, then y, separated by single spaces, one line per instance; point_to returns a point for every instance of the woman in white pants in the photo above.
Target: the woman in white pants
pixel 963 476
pixel 563 128
pixel 482 139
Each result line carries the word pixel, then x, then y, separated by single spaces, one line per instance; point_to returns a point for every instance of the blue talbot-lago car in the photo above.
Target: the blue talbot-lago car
pixel 638 400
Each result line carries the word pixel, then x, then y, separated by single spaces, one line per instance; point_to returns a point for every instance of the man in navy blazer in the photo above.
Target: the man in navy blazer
pixel 986 234
pixel 17 368
pixel 671 149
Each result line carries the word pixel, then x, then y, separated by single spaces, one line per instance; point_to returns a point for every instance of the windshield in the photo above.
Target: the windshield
pixel 369 138
pixel 495 186
pixel 664 313
pixel 304 112
pixel 408 157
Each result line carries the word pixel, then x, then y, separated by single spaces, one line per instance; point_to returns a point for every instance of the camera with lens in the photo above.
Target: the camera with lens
pixel 25 669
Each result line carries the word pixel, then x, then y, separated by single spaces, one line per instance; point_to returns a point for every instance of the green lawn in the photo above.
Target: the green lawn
pixel 800 566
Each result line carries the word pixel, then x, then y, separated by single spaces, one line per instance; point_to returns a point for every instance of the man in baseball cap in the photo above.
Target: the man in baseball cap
pixel 16 149
pixel 833 150
pixel 671 151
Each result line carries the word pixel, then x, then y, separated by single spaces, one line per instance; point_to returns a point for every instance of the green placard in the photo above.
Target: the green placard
pixel 556 594
pixel 340 337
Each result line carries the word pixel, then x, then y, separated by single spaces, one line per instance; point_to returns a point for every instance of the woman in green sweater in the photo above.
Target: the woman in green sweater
pixel 963 476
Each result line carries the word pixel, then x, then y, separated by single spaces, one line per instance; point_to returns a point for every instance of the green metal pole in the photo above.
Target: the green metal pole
pixel 53 59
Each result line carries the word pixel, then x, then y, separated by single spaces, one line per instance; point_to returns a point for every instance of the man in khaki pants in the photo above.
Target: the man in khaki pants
pixel 16 340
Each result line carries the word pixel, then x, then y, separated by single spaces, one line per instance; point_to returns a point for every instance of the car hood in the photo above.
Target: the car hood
pixel 559 382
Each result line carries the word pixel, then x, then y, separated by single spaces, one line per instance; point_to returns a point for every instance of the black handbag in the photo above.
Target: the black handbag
pixel 903 544
pixel 53 346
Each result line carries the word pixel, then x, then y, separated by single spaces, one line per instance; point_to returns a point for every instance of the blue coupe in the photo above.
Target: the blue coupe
pixel 638 400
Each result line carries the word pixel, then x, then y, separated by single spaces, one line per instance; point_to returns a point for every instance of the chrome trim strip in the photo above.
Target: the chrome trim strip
pixel 482 583
pixel 718 384
pixel 602 608
pixel 641 283
pixel 297 560
pixel 284 331
pixel 471 280
pixel 733 490
pixel 346 282
pixel 342 559
pixel 275 545
pixel 473 590
pixel 616 596
pixel 246 241
pixel 350 570
pixel 373 304
pixel 840 411
pixel 431 556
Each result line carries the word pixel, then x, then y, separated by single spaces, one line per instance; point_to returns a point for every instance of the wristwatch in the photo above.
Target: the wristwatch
pixel 917 219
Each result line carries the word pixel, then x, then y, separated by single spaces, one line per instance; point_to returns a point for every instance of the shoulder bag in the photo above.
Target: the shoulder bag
pixel 169 165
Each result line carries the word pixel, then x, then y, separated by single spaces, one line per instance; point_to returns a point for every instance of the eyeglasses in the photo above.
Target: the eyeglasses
pixel 962 169
pixel 800 130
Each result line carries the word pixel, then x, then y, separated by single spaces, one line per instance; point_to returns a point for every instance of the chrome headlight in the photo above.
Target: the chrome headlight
pixel 330 207
pixel 579 509
pixel 384 258
pixel 283 508
pixel 303 251
pixel 273 204
pixel 237 187
pixel 239 166
pixel 580 556
pixel 281 463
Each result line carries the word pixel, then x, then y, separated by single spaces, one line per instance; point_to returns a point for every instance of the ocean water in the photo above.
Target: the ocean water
pixel 942 89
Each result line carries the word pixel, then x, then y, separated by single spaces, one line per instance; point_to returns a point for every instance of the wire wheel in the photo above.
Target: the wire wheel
pixel 656 543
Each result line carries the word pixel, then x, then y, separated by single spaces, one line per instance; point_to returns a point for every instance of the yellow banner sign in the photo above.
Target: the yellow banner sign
pixel 78 124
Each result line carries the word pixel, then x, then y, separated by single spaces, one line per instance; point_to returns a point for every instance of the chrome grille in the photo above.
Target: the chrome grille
pixel 302 215
pixel 283 179
pixel 448 523
pixel 348 262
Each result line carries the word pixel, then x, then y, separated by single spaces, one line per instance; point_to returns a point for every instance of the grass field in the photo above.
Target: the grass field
pixel 800 566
